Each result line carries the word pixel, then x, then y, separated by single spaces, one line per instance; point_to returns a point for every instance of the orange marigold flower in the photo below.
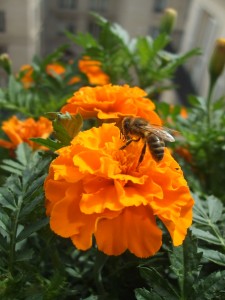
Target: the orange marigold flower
pixel 27 79
pixel 111 102
pixel 21 131
pixel 95 189
pixel 92 69
pixel 74 80
pixel 55 69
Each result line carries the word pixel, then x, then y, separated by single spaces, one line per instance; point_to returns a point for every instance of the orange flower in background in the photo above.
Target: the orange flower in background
pixel 74 80
pixel 92 69
pixel 95 189
pixel 27 79
pixel 20 131
pixel 54 69
pixel 183 152
pixel 111 102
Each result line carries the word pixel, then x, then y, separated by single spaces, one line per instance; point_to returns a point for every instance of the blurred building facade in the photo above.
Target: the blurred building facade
pixel 20 30
pixel 36 27
pixel 137 17
pixel 205 24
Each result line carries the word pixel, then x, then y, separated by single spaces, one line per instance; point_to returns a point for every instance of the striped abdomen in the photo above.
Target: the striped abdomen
pixel 156 146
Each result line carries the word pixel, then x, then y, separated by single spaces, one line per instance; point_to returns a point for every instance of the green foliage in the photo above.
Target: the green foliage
pixel 45 92
pixel 208 227
pixel 203 136
pixel 143 61
pixel 36 264
pixel 65 127
pixel 186 270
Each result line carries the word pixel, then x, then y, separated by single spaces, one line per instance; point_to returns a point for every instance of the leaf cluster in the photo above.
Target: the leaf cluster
pixel 185 279
pixel 46 92
pixel 143 61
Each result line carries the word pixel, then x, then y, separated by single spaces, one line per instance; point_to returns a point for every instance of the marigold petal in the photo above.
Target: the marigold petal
pixel 135 195
pixel 104 198
pixel 134 230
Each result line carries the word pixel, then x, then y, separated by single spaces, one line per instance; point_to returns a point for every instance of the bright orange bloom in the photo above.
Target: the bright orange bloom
pixel 111 102
pixel 21 131
pixel 55 69
pixel 95 189
pixel 92 69
pixel 27 78
pixel 74 80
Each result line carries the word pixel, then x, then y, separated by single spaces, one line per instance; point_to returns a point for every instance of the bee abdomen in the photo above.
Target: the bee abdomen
pixel 156 147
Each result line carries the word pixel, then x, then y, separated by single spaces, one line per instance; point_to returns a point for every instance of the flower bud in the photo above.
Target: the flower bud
pixel 168 21
pixel 217 61
pixel 5 63
pixel 65 126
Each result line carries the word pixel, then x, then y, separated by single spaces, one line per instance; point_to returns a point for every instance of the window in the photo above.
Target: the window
pixel 160 5
pixel 68 4
pixel 2 21
pixel 3 49
pixel 69 26
pixel 94 29
pixel 98 5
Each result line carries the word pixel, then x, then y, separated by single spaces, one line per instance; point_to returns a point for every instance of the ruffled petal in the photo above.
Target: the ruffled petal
pixel 134 229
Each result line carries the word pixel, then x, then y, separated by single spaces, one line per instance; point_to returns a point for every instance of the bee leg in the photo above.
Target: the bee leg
pixel 142 154
pixel 129 140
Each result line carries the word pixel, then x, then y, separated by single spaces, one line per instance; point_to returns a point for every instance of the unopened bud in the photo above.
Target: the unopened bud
pixel 5 63
pixel 168 21
pixel 66 126
pixel 217 61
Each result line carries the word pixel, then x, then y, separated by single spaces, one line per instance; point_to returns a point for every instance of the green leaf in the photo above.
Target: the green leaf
pixel 214 256
pixel 206 236
pixel 85 40
pixel 211 287
pixel 24 255
pixel 24 153
pixel 143 294
pixel 26 232
pixel 215 208
pixel 185 262
pixel 49 143
pixel 160 285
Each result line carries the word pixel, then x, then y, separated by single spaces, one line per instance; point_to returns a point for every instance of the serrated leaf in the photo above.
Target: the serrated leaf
pixel 211 287
pixel 49 143
pixel 143 294
pixel 215 207
pixel 23 153
pixel 10 169
pixel 214 256
pixel 28 208
pixel 5 222
pixel 206 236
pixel 185 261
pixel 160 285
pixel 13 164
pixel 26 232
pixel 24 255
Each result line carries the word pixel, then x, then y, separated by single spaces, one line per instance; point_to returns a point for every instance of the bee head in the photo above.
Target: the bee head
pixel 126 124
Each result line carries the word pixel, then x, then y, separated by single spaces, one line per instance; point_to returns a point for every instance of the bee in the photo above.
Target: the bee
pixel 134 129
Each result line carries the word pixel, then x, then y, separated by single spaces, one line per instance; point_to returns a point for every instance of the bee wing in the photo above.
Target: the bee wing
pixel 160 131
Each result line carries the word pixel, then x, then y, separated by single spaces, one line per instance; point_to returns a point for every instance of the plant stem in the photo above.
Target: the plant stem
pixel 13 236
pixel 209 100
